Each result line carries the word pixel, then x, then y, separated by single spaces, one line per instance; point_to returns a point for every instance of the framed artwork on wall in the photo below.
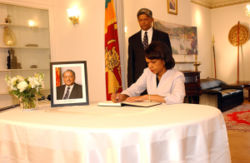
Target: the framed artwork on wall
pixel 172 6
pixel 184 39
pixel 69 83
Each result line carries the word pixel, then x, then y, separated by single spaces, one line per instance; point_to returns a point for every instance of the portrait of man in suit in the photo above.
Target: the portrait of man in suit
pixel 140 41
pixel 70 89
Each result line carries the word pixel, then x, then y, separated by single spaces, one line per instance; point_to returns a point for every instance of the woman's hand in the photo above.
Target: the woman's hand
pixel 155 98
pixel 117 97
pixel 136 98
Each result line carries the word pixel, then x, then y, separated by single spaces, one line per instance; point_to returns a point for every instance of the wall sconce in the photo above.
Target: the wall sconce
pixel 248 10
pixel 73 14
pixel 31 23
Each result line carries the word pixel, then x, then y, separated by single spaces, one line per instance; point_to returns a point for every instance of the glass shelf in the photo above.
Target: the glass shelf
pixel 4 93
pixel 22 47
pixel 30 69
pixel 22 26
pixel 43 91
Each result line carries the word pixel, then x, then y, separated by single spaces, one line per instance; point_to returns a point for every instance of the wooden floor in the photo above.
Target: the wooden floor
pixel 239 143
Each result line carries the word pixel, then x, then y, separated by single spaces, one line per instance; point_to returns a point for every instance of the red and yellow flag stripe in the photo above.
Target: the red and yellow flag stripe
pixel 112 54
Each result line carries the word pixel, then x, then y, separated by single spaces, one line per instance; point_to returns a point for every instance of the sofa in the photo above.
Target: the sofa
pixel 219 94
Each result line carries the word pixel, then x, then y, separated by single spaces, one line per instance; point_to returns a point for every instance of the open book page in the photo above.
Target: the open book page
pixel 135 104
pixel 141 104
pixel 109 103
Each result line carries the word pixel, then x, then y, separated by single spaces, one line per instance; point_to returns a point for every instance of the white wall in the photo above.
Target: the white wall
pixel 201 18
pixel 188 14
pixel 223 19
pixel 84 41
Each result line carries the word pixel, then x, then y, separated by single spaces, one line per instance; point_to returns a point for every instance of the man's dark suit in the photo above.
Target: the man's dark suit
pixel 75 93
pixel 136 57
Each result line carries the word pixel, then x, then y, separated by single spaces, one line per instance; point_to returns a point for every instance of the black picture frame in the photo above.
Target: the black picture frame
pixel 79 93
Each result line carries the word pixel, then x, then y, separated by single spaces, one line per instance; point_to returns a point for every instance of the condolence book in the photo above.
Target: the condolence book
pixel 135 104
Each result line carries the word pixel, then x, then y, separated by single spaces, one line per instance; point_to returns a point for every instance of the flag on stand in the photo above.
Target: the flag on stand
pixel 112 56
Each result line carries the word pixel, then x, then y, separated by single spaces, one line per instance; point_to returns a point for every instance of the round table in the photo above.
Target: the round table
pixel 187 133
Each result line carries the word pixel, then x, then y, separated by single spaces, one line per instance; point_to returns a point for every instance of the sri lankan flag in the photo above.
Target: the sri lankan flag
pixel 58 76
pixel 112 56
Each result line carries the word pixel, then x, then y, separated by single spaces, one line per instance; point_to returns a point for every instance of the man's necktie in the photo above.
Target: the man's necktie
pixel 67 94
pixel 145 40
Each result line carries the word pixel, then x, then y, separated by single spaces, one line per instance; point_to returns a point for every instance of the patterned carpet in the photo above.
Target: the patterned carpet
pixel 238 118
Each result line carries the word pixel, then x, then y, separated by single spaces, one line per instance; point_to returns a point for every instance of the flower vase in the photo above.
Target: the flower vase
pixel 28 103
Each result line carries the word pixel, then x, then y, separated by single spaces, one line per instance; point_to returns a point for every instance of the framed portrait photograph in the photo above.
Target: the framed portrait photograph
pixel 172 6
pixel 69 83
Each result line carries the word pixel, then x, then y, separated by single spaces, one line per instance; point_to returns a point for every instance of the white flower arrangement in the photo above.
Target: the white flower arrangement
pixel 26 89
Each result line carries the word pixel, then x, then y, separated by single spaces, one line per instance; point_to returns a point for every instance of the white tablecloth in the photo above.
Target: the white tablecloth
pixel 183 133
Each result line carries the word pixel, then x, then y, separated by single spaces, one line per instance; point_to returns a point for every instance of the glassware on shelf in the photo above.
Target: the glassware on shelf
pixel 12 60
pixel 9 37
pixel 8 20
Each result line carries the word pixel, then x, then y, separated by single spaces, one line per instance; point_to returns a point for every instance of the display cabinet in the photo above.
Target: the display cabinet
pixel 24 43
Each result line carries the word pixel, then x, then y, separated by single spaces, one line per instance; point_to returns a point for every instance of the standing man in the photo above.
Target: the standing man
pixel 70 90
pixel 140 41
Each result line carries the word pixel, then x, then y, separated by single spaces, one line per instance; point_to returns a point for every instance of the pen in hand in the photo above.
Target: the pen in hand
pixel 118 97
pixel 115 96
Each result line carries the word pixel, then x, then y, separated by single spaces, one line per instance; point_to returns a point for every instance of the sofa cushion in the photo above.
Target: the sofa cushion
pixel 227 92
pixel 216 89
pixel 210 84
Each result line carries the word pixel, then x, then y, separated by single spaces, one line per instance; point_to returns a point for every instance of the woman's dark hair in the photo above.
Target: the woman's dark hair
pixel 159 50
